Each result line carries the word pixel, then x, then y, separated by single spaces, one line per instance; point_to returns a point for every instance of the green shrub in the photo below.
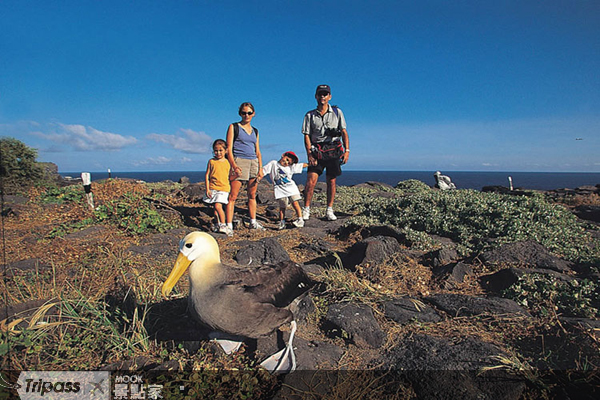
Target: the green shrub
pixel 67 194
pixel 470 217
pixel 64 229
pixel 412 186
pixel 540 292
pixel 132 213
pixel 18 167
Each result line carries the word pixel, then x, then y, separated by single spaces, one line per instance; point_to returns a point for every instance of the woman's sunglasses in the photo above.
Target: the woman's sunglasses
pixel 246 113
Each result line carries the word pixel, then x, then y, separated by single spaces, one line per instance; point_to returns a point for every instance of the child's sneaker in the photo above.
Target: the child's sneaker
pixel 257 225
pixel 281 225
pixel 228 231
pixel 330 215
pixel 299 223
pixel 222 228
pixel 305 213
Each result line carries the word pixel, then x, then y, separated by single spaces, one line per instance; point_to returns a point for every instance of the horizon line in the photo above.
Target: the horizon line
pixel 356 170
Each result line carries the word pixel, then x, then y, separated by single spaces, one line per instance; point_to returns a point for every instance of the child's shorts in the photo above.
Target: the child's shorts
pixel 217 197
pixel 285 201
pixel 249 168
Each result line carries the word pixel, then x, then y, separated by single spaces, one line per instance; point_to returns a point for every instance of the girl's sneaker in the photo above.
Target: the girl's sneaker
pixel 299 223
pixel 281 225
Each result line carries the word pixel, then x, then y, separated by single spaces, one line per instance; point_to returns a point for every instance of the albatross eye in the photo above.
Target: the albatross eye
pixel 188 245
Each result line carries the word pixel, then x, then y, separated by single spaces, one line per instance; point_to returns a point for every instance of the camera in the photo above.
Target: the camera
pixel 333 132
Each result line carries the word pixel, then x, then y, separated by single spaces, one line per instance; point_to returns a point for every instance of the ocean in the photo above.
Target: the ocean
pixel 462 179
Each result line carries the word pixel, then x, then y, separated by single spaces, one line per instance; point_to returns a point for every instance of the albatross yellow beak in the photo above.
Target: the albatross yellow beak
pixel 181 265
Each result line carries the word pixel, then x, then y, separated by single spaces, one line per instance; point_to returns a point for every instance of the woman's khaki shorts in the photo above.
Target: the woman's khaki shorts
pixel 249 168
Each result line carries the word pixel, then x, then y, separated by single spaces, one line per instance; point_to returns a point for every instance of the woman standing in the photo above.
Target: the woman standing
pixel 243 153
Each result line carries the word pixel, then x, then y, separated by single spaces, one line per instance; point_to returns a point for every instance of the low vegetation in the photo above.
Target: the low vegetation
pixel 546 295
pixel 128 206
pixel 474 220
pixel 97 298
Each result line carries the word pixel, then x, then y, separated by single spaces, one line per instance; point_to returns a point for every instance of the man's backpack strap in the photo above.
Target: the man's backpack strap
pixel 335 111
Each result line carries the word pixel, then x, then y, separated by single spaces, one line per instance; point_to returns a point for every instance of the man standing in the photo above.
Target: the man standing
pixel 327 148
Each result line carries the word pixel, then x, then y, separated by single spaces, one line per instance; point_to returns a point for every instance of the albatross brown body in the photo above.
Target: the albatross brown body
pixel 241 301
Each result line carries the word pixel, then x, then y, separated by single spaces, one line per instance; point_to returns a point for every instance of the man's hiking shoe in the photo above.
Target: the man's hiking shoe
pixel 330 215
pixel 305 213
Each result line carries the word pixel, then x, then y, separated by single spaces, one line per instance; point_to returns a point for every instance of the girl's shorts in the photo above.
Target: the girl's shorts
pixel 249 168
pixel 285 201
pixel 217 197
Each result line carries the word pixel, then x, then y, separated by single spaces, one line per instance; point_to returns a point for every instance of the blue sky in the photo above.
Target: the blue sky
pixel 425 85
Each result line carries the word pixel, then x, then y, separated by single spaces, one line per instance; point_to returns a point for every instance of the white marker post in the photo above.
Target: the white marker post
pixel 109 173
pixel 510 182
pixel 86 178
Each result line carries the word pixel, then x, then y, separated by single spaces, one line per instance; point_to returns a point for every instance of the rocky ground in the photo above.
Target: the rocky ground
pixel 444 330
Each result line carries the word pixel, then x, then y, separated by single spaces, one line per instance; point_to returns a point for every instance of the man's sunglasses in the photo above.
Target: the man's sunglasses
pixel 323 94
pixel 246 113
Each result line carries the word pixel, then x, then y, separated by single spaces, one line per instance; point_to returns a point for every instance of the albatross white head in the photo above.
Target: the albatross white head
pixel 198 248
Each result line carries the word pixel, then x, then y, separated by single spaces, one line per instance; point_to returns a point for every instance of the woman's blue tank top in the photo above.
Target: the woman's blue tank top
pixel 245 145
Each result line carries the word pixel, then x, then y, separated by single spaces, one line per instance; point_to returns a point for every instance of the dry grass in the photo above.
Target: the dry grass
pixel 73 264
pixel 491 329
pixel 399 275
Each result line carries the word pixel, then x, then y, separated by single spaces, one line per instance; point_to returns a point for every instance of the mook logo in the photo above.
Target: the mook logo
pixel 80 385
pixel 133 387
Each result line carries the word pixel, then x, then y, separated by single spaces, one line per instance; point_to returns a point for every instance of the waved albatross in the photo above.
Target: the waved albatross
pixel 239 301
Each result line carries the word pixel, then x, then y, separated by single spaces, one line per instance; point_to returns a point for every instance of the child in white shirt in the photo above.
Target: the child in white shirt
pixel 280 173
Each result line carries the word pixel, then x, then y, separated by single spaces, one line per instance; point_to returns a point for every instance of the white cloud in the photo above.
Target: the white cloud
pixel 16 129
pixel 85 138
pixel 185 140
pixel 160 160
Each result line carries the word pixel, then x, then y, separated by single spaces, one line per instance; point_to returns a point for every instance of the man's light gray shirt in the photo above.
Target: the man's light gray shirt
pixel 315 124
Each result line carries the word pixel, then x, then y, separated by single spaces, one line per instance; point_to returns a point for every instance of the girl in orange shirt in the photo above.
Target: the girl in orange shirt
pixel 217 184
